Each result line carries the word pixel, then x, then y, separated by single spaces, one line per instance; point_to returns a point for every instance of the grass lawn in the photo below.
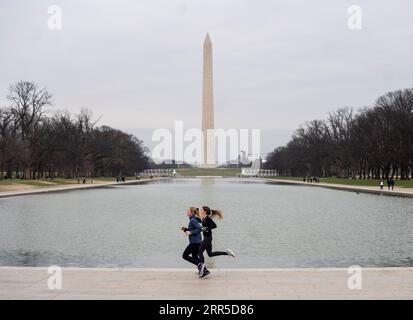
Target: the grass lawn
pixel 225 172
pixel 355 182
pixel 36 183
pixel 6 184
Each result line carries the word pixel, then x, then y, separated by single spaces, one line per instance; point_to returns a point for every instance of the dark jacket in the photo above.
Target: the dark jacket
pixel 194 226
pixel 207 225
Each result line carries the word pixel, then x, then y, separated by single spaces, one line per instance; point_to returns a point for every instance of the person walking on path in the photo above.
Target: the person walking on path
pixel 392 183
pixel 381 183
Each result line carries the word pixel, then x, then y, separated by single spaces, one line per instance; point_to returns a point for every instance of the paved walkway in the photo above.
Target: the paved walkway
pixel 400 192
pixel 108 283
pixel 68 187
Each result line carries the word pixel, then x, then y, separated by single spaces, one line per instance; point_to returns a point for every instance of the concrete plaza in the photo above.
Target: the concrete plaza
pixel 133 283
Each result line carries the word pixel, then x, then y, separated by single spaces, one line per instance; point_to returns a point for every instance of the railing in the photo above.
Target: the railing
pixel 246 172
pixel 158 173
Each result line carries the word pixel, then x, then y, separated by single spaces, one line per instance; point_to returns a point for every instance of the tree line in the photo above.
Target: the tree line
pixel 37 143
pixel 373 143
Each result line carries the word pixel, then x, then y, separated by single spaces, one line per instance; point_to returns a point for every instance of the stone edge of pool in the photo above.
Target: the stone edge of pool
pixel 181 284
pixel 177 269
pixel 363 189
pixel 7 194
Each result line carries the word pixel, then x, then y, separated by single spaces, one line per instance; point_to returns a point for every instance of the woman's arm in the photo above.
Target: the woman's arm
pixel 194 227
pixel 212 224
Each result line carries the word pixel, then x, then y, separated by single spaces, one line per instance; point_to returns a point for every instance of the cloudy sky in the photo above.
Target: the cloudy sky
pixel 138 64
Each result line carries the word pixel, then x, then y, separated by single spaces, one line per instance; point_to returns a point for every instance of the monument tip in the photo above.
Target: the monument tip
pixel 207 39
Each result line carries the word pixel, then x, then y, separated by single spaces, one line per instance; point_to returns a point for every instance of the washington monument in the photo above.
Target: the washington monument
pixel 208 105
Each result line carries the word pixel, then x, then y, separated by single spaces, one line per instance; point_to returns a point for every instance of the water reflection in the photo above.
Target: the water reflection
pixel 207 181
pixel 267 225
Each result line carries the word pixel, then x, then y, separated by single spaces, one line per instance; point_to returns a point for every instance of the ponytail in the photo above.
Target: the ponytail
pixel 213 212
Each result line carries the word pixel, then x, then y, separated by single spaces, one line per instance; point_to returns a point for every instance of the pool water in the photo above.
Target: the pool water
pixel 266 224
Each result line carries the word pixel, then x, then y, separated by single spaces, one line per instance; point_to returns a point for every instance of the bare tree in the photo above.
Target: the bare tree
pixel 377 142
pixel 34 144
pixel 7 139
pixel 28 105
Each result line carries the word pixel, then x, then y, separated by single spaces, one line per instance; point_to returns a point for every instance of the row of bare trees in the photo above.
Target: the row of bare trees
pixel 375 142
pixel 35 143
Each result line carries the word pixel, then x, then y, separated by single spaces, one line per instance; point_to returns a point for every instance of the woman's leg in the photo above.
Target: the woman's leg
pixel 195 252
pixel 204 245
pixel 214 253
pixel 190 250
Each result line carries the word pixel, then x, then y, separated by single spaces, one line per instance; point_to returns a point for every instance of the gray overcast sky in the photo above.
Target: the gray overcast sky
pixel 276 63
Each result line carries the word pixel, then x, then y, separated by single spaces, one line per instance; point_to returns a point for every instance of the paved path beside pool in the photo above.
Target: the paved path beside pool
pixel 69 187
pixel 400 192
pixel 127 283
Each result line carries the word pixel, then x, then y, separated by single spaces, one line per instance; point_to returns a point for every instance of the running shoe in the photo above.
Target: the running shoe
pixel 231 253
pixel 199 266
pixel 205 274
pixel 201 269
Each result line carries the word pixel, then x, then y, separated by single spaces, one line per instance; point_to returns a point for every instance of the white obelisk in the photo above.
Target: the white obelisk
pixel 208 105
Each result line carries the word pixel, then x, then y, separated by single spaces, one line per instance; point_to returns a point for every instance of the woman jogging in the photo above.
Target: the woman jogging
pixel 206 214
pixel 193 231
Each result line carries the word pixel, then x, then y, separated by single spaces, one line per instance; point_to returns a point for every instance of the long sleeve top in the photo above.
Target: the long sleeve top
pixel 195 227
pixel 208 224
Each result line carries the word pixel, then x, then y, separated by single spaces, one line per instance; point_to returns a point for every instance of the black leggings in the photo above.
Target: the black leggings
pixel 192 250
pixel 207 245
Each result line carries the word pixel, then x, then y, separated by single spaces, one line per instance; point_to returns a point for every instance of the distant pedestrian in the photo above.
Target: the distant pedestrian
pixel 381 183
pixel 392 184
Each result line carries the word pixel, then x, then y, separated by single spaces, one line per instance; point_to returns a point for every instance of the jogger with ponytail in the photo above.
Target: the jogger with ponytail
pixel 207 214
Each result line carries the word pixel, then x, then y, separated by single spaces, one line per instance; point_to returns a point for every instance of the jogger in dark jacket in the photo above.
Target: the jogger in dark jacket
pixel 193 231
pixel 208 224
